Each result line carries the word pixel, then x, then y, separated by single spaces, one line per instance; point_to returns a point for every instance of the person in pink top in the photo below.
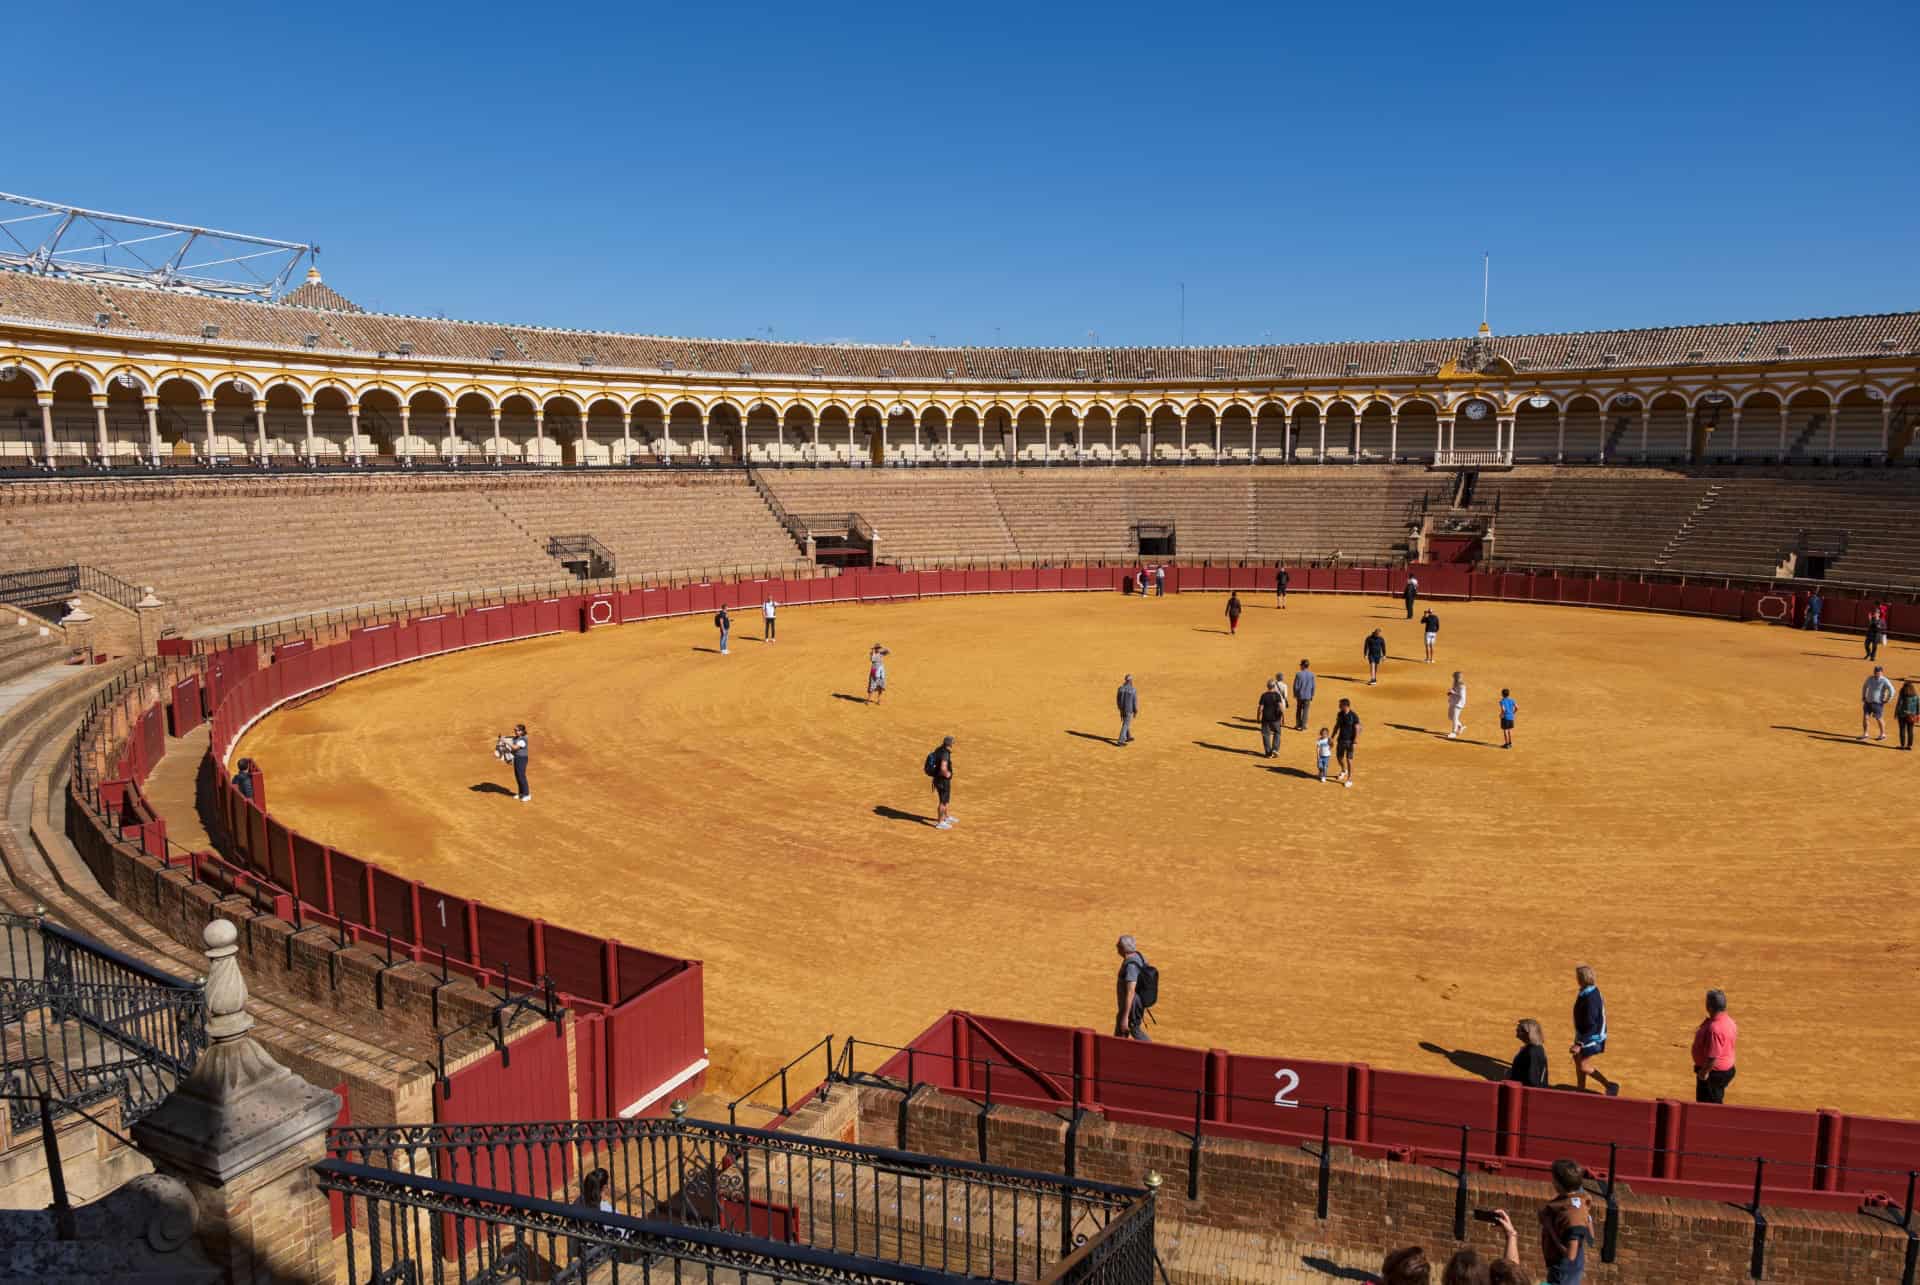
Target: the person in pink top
pixel 1713 1051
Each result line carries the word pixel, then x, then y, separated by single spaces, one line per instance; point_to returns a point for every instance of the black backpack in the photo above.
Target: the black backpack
pixel 1146 988
pixel 933 763
pixel 719 619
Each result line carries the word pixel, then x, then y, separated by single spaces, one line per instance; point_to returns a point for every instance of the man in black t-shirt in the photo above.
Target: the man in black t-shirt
pixel 1346 731
pixel 1272 713
pixel 1280 579
pixel 942 763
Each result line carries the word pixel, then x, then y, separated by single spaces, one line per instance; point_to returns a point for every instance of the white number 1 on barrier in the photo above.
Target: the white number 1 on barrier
pixel 443 912
pixel 1289 1081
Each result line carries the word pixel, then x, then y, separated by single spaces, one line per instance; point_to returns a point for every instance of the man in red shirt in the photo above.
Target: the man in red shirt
pixel 1713 1044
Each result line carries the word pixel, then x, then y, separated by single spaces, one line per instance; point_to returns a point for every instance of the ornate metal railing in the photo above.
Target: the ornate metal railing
pixel 55 584
pixel 871 1211
pixel 81 1023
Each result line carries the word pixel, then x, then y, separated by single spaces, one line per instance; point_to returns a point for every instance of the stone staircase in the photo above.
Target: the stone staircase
pixel 1679 538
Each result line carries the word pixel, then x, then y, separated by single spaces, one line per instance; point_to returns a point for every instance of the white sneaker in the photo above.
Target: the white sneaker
pixel 943 825
pixel 1348 784
pixel 1453 736
pixel 526 798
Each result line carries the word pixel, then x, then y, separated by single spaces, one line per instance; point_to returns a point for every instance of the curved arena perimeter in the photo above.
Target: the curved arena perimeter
pixel 223 507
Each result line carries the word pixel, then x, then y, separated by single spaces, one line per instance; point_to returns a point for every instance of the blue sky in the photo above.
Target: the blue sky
pixel 1021 174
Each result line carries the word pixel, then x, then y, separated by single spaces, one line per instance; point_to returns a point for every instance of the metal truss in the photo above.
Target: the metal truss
pixel 51 239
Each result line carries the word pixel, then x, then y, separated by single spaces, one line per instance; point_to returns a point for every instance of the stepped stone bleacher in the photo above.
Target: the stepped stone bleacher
pixel 1219 512
pixel 225 552
pixel 1754 521
pixel 1609 517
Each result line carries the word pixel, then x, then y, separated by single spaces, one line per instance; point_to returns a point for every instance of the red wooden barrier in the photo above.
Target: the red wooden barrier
pixel 656 1036
pixel 184 710
pixel 1155 1079
pixel 1282 1094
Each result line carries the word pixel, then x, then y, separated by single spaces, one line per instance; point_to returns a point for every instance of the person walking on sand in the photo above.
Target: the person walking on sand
pixel 1876 634
pixel 1430 627
pixel 1323 751
pixel 724 623
pixel 1128 701
pixel 1271 714
pixel 1713 1042
pixel 1456 706
pixel 1874 695
pixel 1280 581
pixel 1135 989
pixel 1303 687
pixel 1906 712
pixel 1589 1031
pixel 766 619
pixel 1814 604
pixel 1375 651
pixel 1233 614
pixel 1508 710
pixel 940 767
pixel 1160 582
pixel 876 673
pixel 1411 593
pixel 1346 732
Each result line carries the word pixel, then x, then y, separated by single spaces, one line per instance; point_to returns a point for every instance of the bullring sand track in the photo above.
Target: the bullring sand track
pixel 1686 808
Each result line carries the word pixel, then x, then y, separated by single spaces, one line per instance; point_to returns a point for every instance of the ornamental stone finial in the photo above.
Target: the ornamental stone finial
pixel 227 1016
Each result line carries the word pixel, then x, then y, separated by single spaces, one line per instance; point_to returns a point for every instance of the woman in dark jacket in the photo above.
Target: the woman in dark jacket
pixel 1589 1031
pixel 1530 1063
pixel 1233 613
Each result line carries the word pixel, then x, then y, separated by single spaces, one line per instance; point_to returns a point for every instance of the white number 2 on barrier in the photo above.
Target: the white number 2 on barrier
pixel 1289 1081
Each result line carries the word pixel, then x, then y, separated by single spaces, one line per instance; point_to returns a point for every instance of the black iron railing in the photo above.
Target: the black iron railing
pixel 81 1023
pixel 410 1228
pixel 44 585
pixel 870 1210
pixel 585 556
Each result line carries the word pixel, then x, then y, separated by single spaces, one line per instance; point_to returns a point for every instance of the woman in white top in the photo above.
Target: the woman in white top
pixel 1456 704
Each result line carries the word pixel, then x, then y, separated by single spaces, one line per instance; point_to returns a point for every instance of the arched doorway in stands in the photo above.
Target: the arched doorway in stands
pixel 19 416
pixel 798 435
pixel 472 426
pixel 1308 440
pixel 561 419
pixel 426 426
pixel 332 424
pixel 286 422
pixel 969 435
pixel 73 418
pixel 180 416
pixel 517 425
pixel 686 430
pixel 1419 430
pixel 650 429
pixel 379 422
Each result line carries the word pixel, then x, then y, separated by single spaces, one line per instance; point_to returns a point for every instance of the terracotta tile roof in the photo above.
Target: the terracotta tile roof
pixel 317 309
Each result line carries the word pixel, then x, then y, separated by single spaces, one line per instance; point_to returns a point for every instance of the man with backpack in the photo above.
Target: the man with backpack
pixel 939 766
pixel 1136 989
pixel 1128 700
pixel 724 623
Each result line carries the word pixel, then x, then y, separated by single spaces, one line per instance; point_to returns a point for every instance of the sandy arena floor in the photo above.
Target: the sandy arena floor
pixel 1686 807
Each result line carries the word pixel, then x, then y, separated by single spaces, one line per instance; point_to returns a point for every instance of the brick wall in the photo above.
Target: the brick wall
pixel 1373 1205
pixel 398 1008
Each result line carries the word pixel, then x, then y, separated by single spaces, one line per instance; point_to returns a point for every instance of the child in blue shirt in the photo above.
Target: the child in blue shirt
pixel 1507 710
